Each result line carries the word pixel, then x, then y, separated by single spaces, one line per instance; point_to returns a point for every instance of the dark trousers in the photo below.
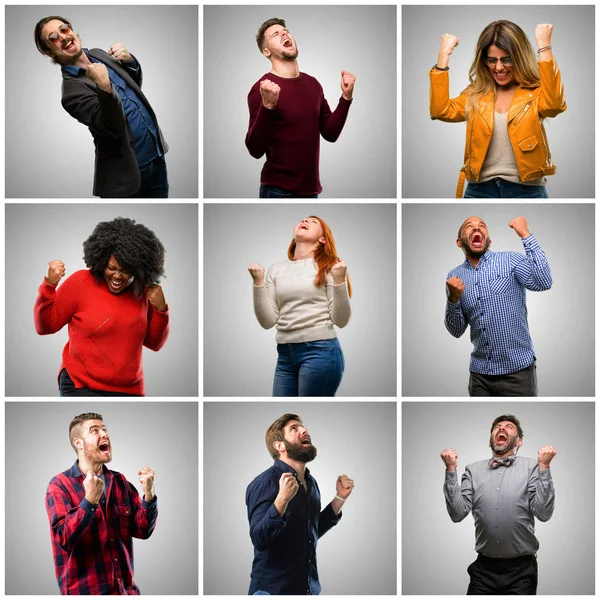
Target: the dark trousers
pixel 270 191
pixel 67 388
pixel 521 383
pixel 155 183
pixel 503 576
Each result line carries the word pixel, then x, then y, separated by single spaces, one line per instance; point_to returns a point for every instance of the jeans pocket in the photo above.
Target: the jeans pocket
pixel 320 345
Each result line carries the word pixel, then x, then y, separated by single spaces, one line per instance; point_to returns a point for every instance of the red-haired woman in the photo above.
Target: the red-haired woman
pixel 305 296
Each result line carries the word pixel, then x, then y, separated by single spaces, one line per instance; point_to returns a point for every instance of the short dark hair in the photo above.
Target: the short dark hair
pixel 138 250
pixel 275 432
pixel 510 418
pixel 75 425
pixel 260 36
pixel 37 32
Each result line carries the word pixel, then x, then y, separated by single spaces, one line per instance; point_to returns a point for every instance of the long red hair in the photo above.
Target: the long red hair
pixel 325 256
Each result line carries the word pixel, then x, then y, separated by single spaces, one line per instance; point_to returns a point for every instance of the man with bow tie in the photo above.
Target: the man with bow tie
pixel 504 494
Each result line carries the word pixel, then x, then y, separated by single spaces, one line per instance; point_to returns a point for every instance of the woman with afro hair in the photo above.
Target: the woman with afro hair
pixel 112 309
pixel 305 296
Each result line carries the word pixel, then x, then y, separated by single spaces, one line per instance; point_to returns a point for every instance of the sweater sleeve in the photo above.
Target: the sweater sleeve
pixel 158 328
pixel 441 106
pixel 56 305
pixel 265 304
pixel 332 123
pixel 552 95
pixel 339 303
pixel 262 123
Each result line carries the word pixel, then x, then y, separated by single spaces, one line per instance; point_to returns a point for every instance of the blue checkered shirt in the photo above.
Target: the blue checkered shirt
pixel 493 304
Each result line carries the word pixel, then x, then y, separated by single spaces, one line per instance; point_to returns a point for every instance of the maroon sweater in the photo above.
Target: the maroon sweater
pixel 289 134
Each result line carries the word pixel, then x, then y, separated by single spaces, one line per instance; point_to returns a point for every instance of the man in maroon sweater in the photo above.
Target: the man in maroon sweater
pixel 288 112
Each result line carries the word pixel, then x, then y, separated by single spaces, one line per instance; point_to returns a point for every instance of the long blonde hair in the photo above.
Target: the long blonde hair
pixel 509 37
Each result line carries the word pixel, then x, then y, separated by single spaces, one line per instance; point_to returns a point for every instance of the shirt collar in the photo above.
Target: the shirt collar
pixel 76 471
pixel 75 70
pixel 285 468
pixel 484 258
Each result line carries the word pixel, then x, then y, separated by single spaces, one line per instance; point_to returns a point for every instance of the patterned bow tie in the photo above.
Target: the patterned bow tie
pixel 502 462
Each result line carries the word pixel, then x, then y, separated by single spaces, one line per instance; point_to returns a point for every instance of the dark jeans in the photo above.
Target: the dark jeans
pixel 309 368
pixel 521 383
pixel 67 388
pixel 154 180
pixel 270 191
pixel 503 576
pixel 500 188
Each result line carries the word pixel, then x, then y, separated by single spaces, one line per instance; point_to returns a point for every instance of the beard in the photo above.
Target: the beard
pixel 299 452
pixel 475 253
pixel 501 450
pixel 292 55
pixel 93 454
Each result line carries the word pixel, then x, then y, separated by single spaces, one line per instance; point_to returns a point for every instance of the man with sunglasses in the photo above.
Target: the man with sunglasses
pixel 103 91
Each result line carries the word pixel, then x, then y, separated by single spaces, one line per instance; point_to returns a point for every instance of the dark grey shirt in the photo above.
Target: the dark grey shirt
pixel 504 502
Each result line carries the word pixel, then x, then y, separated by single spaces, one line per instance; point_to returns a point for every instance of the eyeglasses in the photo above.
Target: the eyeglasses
pixel 505 60
pixel 64 29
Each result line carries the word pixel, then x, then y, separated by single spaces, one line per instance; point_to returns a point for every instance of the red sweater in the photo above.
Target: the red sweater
pixel 106 331
pixel 289 134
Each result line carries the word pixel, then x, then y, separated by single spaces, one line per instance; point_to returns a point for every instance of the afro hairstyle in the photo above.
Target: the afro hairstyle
pixel 136 247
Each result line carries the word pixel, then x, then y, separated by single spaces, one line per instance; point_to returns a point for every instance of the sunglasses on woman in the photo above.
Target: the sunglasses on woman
pixel 64 29
pixel 491 62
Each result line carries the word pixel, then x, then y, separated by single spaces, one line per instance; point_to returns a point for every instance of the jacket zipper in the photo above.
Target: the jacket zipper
pixel 548 155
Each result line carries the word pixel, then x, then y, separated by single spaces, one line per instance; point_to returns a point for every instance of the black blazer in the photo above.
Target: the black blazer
pixel 116 173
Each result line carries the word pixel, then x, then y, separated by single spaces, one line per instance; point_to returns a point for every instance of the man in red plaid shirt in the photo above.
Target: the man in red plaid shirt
pixel 94 513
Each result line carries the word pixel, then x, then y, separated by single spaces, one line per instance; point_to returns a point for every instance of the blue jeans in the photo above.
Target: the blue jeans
pixel 500 188
pixel 154 180
pixel 270 191
pixel 309 368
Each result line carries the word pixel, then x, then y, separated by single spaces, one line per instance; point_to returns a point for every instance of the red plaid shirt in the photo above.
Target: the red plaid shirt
pixel 92 544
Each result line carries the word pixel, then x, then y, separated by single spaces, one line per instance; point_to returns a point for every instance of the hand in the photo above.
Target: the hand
pixel 147 481
pixel 338 272
pixel 545 456
pixel 155 296
pixel 520 226
pixel 543 34
pixel 450 458
pixel 94 486
pixel 288 486
pixel 344 486
pixel 456 287
pixel 347 85
pixel 56 271
pixel 98 73
pixel 269 93
pixel 257 272
pixel 121 53
pixel 449 42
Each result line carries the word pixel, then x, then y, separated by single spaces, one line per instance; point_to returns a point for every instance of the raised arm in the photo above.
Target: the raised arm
pixel 454 320
pixel 459 499
pixel 145 511
pixel 262 101
pixel 337 295
pixel 551 100
pixel 532 270
pixel 263 291
pixel 158 318
pixel 541 487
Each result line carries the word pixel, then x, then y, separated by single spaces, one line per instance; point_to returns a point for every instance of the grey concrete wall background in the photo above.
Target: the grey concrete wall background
pixel 566 557
pixel 359 39
pixel 51 155
pixel 160 435
pixel 239 355
pixel 432 151
pixel 561 320
pixel 39 233
pixel 358 556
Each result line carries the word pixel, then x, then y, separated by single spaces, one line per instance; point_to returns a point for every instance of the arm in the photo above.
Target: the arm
pixel 332 513
pixel 68 521
pixel 262 124
pixel 332 123
pixel 551 101
pixel 532 270
pixel 459 499
pixel 144 514
pixel 265 303
pixel 56 305
pixel 339 303
pixel 540 486
pixel 158 320
pixel 455 321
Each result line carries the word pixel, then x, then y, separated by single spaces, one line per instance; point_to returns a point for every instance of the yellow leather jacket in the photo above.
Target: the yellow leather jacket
pixel 525 122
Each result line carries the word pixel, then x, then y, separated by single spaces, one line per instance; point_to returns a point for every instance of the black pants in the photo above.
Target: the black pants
pixel 521 383
pixel 67 388
pixel 503 576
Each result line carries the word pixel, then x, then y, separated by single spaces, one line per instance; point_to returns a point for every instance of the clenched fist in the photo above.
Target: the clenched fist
pixel 543 34
pixel 520 226
pixel 456 287
pixel 269 92
pixel 347 85
pixel 338 272
pixel 146 476
pixel 56 271
pixel 450 458
pixel 449 42
pixel 257 272
pixel 98 73
pixel 94 486
pixel 288 486
pixel 121 53
pixel 155 296
pixel 545 456
pixel 344 486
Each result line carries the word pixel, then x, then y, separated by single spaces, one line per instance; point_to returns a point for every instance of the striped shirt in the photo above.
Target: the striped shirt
pixel 494 305
pixel 92 543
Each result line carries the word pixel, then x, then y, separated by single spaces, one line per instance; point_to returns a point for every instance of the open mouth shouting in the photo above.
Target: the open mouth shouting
pixel 502 77
pixel 68 45
pixel 305 441
pixel 477 240
pixel 116 284
pixel 104 447
pixel 287 43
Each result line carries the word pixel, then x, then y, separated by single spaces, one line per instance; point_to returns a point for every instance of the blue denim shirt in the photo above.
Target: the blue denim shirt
pixel 143 128
pixel 285 548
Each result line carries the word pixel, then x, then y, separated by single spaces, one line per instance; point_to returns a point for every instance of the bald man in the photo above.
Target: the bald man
pixel 487 293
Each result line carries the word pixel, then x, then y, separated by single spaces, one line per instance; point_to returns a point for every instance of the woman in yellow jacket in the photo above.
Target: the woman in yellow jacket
pixel 506 153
